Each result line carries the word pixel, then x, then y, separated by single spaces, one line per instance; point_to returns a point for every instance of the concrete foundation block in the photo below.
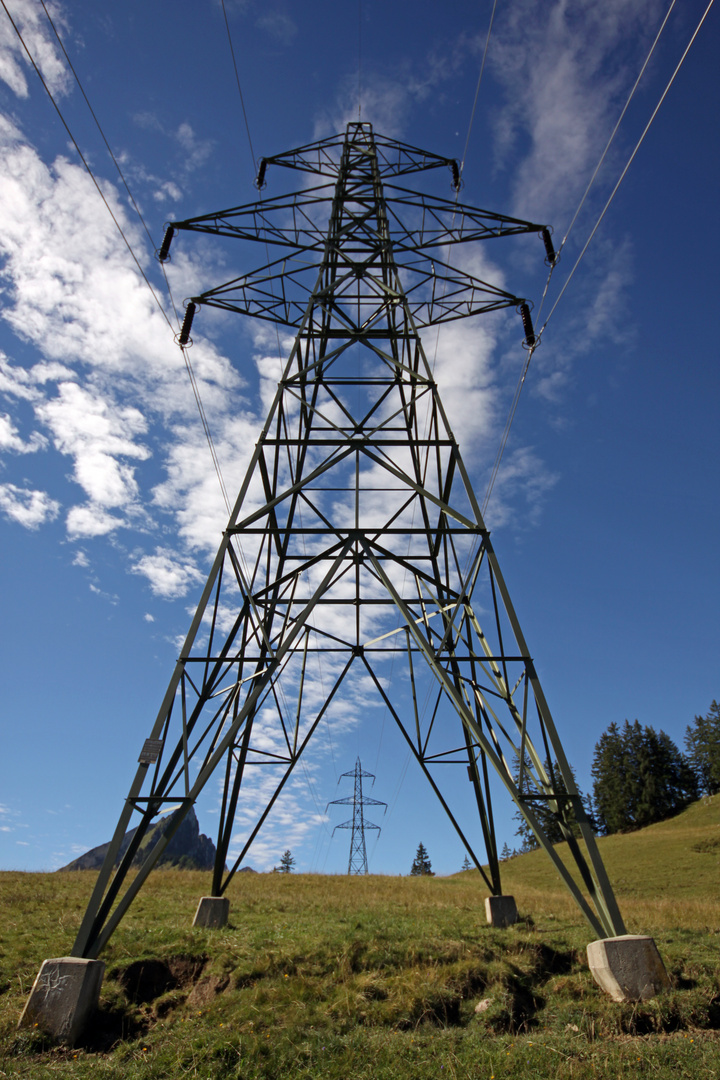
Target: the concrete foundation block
pixel 212 912
pixel 628 968
pixel 501 910
pixel 64 996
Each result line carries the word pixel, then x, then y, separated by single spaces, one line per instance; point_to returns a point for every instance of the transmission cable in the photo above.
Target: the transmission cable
pixel 97 123
pixel 477 91
pixel 87 166
pixel 540 332
pixel 279 349
pixel 629 163
pixel 237 79
pixel 615 130
pixel 118 226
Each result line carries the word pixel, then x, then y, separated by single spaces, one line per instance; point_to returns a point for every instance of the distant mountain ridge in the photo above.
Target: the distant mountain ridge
pixel 189 849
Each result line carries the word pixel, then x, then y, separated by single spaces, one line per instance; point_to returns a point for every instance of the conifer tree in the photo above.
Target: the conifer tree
pixel 702 742
pixel 287 862
pixel 421 864
pixel 467 865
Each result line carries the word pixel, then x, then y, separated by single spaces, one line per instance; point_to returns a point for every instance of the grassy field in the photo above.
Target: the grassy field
pixel 378 977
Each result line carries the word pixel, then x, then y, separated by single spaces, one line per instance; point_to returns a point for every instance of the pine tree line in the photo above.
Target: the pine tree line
pixel 639 777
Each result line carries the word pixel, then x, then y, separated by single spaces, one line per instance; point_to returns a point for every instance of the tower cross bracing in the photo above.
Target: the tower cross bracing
pixel 355 563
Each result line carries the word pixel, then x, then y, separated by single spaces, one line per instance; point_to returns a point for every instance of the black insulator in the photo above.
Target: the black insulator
pixel 527 326
pixel 549 249
pixel 164 252
pixel 455 168
pixel 260 181
pixel 187 324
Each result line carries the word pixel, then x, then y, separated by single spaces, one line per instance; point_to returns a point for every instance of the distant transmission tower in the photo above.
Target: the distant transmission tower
pixel 356 563
pixel 357 863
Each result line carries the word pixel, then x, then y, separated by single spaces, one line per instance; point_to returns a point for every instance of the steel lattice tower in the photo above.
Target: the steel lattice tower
pixel 356 541
pixel 357 863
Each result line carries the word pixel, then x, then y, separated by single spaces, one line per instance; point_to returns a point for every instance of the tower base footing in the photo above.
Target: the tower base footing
pixel 64 996
pixel 212 912
pixel 501 910
pixel 628 968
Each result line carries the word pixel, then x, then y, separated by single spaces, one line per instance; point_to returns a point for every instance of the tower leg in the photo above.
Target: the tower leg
pixel 63 998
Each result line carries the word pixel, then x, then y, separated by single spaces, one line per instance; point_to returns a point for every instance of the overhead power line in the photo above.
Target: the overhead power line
pixel 90 173
pixel 630 160
pixel 541 330
pixel 477 91
pixel 188 366
pixel 237 79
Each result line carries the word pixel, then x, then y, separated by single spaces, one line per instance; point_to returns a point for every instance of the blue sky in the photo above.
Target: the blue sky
pixel 605 513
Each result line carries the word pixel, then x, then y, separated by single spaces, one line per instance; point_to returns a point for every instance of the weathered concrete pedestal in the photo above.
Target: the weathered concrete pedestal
pixel 628 968
pixel 501 910
pixel 212 912
pixel 64 996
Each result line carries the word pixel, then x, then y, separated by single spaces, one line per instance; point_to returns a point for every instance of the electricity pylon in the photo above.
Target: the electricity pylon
pixel 356 558
pixel 357 863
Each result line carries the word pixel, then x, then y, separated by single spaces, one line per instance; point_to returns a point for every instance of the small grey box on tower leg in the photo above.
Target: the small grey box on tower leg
pixel 63 998
pixel 501 910
pixel 212 912
pixel 628 968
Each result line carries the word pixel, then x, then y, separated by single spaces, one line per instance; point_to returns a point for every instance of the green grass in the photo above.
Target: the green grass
pixel 332 977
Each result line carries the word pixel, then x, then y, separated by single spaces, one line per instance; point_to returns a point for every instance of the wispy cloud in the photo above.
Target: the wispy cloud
pixel 278 23
pixel 566 69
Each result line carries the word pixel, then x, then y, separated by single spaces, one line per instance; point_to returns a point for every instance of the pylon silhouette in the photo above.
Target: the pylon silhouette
pixel 356 558
pixel 357 863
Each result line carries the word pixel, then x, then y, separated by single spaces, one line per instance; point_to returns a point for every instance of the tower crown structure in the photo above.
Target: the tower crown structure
pixel 356 565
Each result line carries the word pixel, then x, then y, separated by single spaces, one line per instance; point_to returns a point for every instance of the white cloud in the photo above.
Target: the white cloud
pixel 88 521
pixel 167 190
pixel 10 438
pixel 387 100
pixel 37 33
pixel 168 574
pixel 111 374
pixel 98 434
pixel 28 508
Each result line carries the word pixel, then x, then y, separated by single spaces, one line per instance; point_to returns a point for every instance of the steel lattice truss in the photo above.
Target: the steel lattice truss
pixel 356 563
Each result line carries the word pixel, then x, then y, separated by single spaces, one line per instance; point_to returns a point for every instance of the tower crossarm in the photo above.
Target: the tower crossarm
pixel 415 221
pixel 392 157
pixel 434 292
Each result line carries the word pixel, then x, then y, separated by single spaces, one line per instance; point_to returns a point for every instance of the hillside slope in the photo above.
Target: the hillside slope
pixel 672 860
